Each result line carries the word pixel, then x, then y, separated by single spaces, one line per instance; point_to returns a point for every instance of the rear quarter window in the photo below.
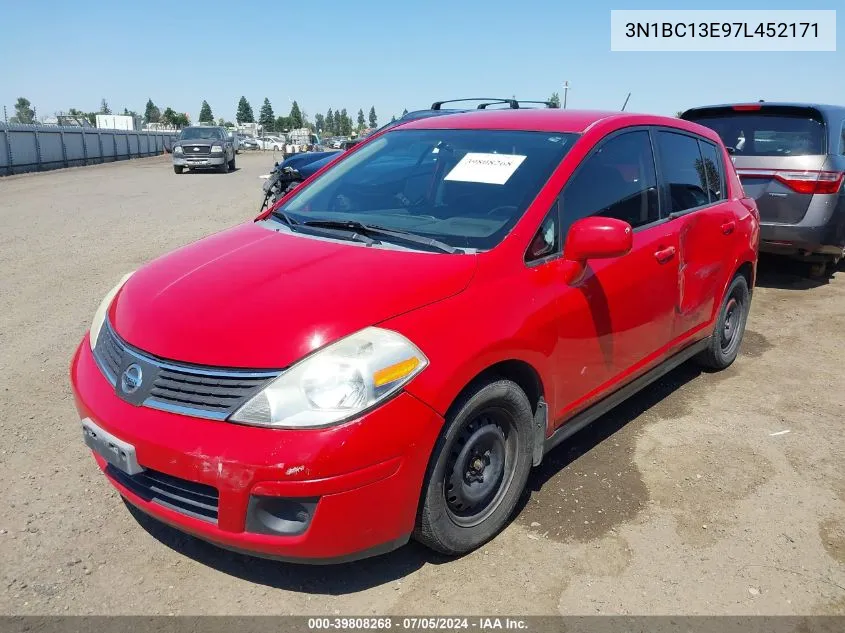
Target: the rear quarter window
pixel 774 131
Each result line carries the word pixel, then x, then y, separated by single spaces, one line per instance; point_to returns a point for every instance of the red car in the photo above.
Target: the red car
pixel 389 350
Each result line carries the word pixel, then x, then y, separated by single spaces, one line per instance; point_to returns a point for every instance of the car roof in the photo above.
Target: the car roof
pixel 542 120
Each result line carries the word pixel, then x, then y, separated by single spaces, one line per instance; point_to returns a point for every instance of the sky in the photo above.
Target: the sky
pixel 391 55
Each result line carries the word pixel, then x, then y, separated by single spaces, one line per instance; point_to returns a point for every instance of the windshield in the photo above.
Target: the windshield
pixel 793 132
pixel 466 188
pixel 201 133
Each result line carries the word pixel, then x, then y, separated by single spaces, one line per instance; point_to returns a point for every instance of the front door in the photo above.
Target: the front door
pixel 619 318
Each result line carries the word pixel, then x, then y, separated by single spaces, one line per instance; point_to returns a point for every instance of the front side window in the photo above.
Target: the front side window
pixel 681 164
pixel 617 180
pixel 466 188
pixel 710 169
pixel 546 241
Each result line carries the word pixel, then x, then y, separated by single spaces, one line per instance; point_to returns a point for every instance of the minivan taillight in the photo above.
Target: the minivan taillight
pixel 808 182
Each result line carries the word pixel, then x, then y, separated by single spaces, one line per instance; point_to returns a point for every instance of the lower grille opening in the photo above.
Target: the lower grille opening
pixel 187 497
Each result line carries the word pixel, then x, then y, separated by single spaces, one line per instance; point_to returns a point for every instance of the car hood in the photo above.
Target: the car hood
pixel 251 297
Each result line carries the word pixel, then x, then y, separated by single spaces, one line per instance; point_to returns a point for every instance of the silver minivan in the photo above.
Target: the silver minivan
pixel 790 157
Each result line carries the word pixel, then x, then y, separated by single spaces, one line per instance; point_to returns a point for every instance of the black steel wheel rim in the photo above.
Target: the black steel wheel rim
pixel 480 467
pixel 733 322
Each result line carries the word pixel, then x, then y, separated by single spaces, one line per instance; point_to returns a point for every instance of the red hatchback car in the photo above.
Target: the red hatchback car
pixel 389 350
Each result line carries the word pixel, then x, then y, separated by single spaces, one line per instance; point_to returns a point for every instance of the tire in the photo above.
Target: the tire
pixel 224 168
pixel 730 327
pixel 178 169
pixel 232 163
pixel 489 431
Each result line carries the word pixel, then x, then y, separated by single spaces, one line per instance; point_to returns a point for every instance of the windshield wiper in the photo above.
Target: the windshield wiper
pixel 374 229
pixel 284 217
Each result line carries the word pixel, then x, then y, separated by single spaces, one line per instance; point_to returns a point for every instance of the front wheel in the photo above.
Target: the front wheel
pixel 730 326
pixel 232 163
pixel 178 169
pixel 478 469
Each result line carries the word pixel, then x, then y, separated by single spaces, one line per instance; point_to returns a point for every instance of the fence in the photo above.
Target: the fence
pixel 38 147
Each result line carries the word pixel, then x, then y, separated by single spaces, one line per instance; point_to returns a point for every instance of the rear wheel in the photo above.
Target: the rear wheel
pixel 730 327
pixel 178 169
pixel 478 469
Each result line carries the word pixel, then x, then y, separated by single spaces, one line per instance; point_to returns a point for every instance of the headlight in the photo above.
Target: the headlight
pixel 177 149
pixel 216 149
pixel 100 314
pixel 336 383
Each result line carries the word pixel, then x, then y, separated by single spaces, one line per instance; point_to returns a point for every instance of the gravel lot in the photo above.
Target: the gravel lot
pixel 684 500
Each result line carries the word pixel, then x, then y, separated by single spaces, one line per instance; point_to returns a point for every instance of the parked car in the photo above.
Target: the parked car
pixel 449 301
pixel 271 143
pixel 791 158
pixel 204 147
pixel 249 143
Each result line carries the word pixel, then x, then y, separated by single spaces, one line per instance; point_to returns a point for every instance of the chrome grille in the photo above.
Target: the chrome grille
pixel 196 150
pixel 199 391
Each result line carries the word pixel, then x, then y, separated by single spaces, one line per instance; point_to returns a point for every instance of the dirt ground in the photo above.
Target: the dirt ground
pixel 705 494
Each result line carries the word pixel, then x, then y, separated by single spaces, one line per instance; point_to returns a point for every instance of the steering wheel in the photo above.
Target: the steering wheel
pixel 510 207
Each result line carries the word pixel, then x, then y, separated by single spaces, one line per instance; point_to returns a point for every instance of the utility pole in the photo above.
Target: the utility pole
pixel 5 118
pixel 565 91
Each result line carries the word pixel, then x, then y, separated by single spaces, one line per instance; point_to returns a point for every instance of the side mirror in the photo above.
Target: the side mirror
pixel 595 237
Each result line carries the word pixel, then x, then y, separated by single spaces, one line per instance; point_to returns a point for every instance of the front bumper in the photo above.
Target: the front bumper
pixel 185 160
pixel 364 477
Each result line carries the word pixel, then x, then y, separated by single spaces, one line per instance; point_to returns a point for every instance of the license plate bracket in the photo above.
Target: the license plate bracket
pixel 115 451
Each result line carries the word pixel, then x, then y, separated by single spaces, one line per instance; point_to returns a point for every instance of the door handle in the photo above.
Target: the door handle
pixel 728 227
pixel 665 254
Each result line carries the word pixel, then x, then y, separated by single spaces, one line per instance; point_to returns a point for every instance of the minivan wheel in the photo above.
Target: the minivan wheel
pixel 730 327
pixel 478 468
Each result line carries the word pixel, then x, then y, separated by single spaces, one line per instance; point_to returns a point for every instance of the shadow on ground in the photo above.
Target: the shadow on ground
pixel 787 274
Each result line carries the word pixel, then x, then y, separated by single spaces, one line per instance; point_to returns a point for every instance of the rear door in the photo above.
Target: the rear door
pixel 693 178
pixel 779 153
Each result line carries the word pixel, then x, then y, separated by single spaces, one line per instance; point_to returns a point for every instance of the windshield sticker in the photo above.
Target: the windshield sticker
pixel 492 169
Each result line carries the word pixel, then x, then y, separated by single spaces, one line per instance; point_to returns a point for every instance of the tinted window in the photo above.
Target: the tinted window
pixel 467 188
pixel 681 165
pixel 842 142
pixel 776 132
pixel 617 180
pixel 711 167
pixel 546 241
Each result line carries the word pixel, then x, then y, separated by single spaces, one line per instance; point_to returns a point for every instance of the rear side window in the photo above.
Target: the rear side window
pixel 772 131
pixel 682 166
pixel 842 142
pixel 711 168
pixel 617 180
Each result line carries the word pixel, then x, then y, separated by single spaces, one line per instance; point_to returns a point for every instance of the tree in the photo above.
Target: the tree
pixel 205 113
pixel 244 114
pixel 282 123
pixel 168 117
pixel 331 127
pixel 295 116
pixel 555 100
pixel 345 123
pixel 405 111
pixel 23 112
pixel 373 118
pixel 679 113
pixel 320 122
pixel 266 118
pixel 393 118
pixel 221 122
pixel 181 119
pixel 104 107
pixel 151 112
pixel 128 112
pixel 361 123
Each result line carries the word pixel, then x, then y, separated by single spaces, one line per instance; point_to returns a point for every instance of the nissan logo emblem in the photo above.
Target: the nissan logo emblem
pixel 131 379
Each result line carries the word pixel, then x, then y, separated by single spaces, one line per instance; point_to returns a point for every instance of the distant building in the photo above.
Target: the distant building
pixel 119 122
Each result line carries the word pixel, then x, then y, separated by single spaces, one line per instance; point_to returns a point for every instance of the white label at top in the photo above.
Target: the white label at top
pixel 491 169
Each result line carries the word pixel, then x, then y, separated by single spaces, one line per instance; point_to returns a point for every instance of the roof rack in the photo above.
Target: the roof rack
pixel 513 104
